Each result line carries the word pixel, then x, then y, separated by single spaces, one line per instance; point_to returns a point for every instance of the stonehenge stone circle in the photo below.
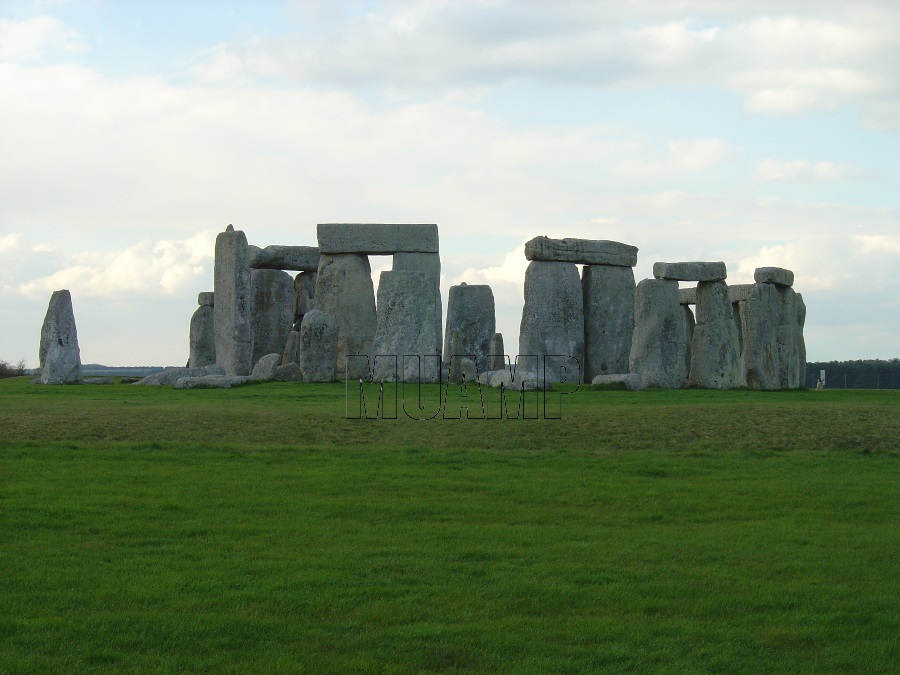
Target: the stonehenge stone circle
pixel 318 347
pixel 715 359
pixel 407 328
pixel 344 291
pixel 271 311
pixel 608 296
pixel 293 258
pixel 59 354
pixel 690 271
pixel 582 251
pixel 232 310
pixel 202 337
pixel 471 312
pixel 553 317
pixel 659 346
pixel 376 239
pixel 773 275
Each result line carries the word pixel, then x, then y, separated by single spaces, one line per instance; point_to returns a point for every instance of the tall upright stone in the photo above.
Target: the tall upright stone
pixel 428 264
pixel 304 296
pixel 271 311
pixel 318 347
pixel 759 309
pixel 787 340
pixel 498 354
pixel 659 345
pixel 715 362
pixel 232 303
pixel 202 338
pixel 345 292
pixel 553 317
pixel 59 354
pixel 406 327
pixel 471 311
pixel 801 341
pixel 608 296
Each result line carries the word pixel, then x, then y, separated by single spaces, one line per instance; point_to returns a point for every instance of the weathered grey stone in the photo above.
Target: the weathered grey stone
pixel 304 295
pixel 375 239
pixel 608 297
pixel 740 292
pixel 453 360
pixel 787 340
pixel 406 328
pixel 715 360
pixel 264 369
pixel 690 271
pixel 801 341
pixel 759 315
pixel 169 376
pixel 632 381
pixel 232 308
pixel 212 382
pixel 688 324
pixel 319 335
pixel 59 354
pixel 291 348
pixel 206 299
pixel 202 337
pixel 553 316
pixel 99 380
pixel 581 251
pixel 687 296
pixel 429 264
pixel 498 355
pixel 344 291
pixel 294 258
pixel 773 275
pixel 659 345
pixel 289 372
pixel 472 314
pixel 271 311
pixel 521 380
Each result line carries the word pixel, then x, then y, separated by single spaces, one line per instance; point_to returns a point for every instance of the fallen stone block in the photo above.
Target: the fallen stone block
pixel 631 381
pixel 264 369
pixel 212 382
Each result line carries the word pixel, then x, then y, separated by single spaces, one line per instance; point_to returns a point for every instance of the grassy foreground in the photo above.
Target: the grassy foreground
pixel 145 529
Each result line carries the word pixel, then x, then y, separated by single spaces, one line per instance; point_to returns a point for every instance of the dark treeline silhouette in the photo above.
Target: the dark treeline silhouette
pixel 865 374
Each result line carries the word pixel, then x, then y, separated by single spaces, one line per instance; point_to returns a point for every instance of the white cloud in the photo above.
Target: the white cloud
pixel 683 156
pixel 29 39
pixel 776 170
pixel 10 242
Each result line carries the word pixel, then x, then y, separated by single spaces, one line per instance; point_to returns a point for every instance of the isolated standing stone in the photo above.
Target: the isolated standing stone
pixel 318 347
pixel 59 354
pixel 344 291
pixel 714 347
pixel 759 311
pixel 202 338
pixel 659 345
pixel 608 296
pixel 553 317
pixel 232 303
pixel 471 312
pixel 498 355
pixel 407 328
pixel 271 311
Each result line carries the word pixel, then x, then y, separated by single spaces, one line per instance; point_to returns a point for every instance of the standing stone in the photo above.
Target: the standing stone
pixel 801 341
pixel 430 265
pixel 59 355
pixel 232 303
pixel 304 294
pixel 406 327
pixel 345 292
pixel 608 294
pixel 759 315
pixel 788 351
pixel 553 317
pixel 271 311
pixel 689 324
pixel 715 360
pixel 291 348
pixel 318 347
pixel 659 345
pixel 498 354
pixel 202 338
pixel 472 313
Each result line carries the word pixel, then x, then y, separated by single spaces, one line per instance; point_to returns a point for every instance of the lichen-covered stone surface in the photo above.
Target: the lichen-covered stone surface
pixel 659 344
pixel 471 313
pixel 715 359
pixel 59 354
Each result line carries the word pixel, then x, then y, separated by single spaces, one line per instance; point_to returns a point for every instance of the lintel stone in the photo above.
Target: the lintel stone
pixel 740 292
pixel 690 271
pixel 687 296
pixel 773 275
pixel 377 238
pixel 294 258
pixel 206 299
pixel 581 251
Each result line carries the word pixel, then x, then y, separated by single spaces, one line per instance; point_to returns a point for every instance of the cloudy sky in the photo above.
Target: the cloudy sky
pixel 757 133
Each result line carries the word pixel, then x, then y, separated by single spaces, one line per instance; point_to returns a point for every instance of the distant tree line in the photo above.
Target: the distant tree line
pixel 864 374
pixel 12 370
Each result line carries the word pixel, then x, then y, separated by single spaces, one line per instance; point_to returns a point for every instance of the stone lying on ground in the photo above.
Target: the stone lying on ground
pixel 169 376
pixel 581 251
pixel 377 238
pixel 59 355
pixel 206 299
pixel 293 258
pixel 472 314
pixel 659 347
pixel 773 275
pixel 690 271
pixel 608 297
pixel 687 296
pixel 522 380
pixel 231 282
pixel 715 357
pixel 318 347
pixel 632 381
pixel 289 373
pixel 271 311
pixel 202 337
pixel 265 367
pixel 212 382
pixel 99 380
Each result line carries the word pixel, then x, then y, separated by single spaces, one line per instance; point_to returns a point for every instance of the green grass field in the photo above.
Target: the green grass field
pixel 145 529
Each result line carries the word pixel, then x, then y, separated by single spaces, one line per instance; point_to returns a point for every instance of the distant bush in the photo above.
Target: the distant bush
pixel 10 370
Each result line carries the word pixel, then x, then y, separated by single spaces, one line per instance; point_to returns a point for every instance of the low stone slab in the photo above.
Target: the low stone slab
pixel 632 381
pixel 523 380
pixel 212 382
pixel 690 271
pixel 99 380
pixel 581 251
pixel 294 258
pixel 206 299
pixel 377 238
pixel 773 275
pixel 289 373
pixel 265 368
pixel 170 376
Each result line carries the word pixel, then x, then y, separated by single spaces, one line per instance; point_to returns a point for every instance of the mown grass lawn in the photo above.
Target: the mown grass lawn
pixel 258 530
